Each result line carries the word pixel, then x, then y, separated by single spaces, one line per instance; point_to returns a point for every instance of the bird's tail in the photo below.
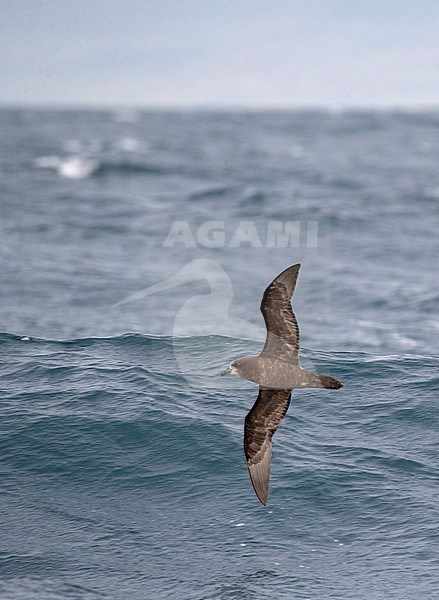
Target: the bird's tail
pixel 315 380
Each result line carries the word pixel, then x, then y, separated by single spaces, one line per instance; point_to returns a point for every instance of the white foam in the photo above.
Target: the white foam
pixel 71 167
pixel 77 167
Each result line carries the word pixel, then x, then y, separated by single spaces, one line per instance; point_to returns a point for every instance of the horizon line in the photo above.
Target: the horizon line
pixel 317 107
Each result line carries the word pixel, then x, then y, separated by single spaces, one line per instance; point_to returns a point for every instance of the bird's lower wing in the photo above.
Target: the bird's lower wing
pixel 261 424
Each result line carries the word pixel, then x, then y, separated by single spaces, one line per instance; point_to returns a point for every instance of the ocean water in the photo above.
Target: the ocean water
pixel 135 247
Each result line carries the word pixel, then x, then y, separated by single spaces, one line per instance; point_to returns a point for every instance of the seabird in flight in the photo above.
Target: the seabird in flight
pixel 277 371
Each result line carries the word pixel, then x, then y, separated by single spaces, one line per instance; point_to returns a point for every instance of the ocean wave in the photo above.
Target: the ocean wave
pixel 105 443
pixel 81 167
pixel 97 408
pixel 123 472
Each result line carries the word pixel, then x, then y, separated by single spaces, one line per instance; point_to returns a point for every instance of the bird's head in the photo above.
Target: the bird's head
pixel 235 368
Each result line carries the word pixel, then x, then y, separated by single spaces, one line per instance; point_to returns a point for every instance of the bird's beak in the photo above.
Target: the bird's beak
pixel 226 372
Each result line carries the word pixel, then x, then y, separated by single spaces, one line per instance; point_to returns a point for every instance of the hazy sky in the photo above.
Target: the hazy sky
pixel 220 52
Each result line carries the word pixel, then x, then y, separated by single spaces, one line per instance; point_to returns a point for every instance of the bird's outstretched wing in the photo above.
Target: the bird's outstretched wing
pixel 283 339
pixel 261 424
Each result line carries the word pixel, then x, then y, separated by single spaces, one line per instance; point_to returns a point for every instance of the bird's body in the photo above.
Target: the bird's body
pixel 277 371
pixel 279 375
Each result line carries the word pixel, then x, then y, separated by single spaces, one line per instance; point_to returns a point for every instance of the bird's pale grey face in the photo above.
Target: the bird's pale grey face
pixel 235 367
pixel 231 370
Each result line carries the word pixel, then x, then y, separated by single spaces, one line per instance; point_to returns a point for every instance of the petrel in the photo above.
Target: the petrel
pixel 277 371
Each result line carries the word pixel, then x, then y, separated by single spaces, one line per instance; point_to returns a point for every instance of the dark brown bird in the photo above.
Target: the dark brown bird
pixel 277 371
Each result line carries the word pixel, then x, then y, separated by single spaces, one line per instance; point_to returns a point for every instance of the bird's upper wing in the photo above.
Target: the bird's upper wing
pixel 261 423
pixel 283 338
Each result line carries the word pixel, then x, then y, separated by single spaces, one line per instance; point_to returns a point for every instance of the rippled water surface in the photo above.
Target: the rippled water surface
pixel 135 247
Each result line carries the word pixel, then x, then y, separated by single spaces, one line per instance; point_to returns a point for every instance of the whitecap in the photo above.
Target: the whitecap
pixel 71 167
pixel 77 167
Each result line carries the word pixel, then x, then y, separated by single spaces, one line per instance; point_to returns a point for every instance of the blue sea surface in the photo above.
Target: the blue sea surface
pixel 135 247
